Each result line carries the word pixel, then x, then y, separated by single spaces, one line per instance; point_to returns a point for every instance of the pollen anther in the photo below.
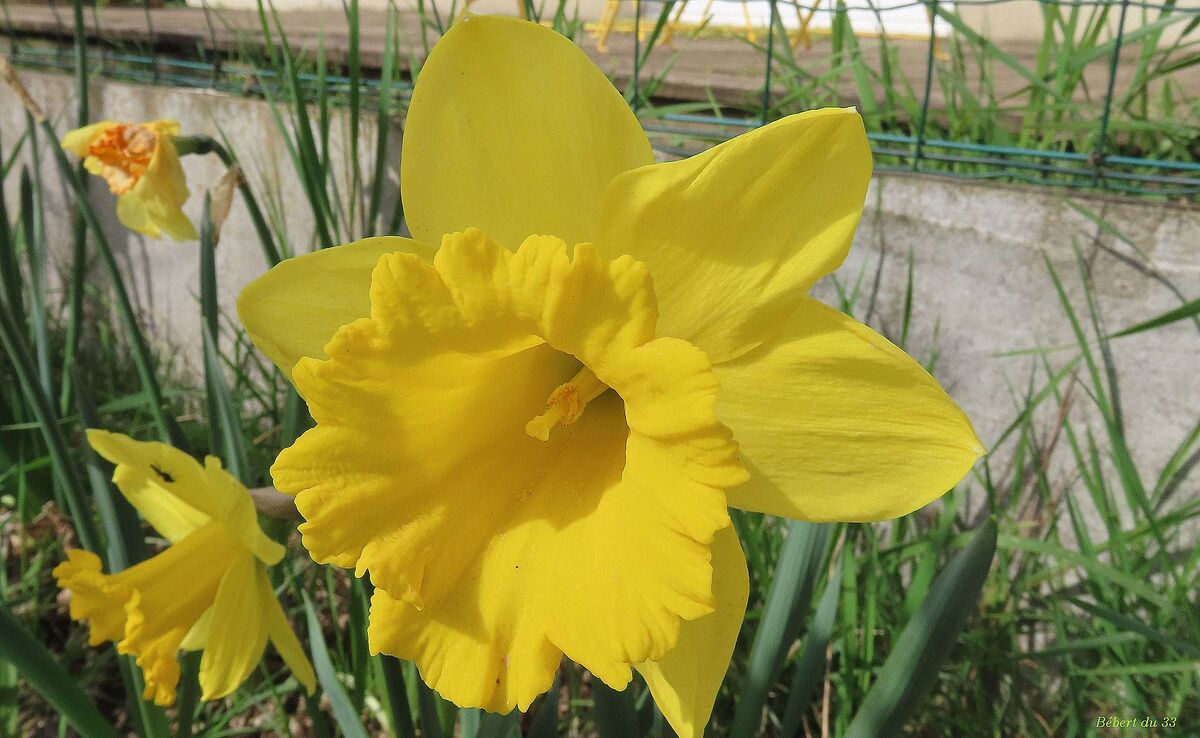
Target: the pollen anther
pixel 566 403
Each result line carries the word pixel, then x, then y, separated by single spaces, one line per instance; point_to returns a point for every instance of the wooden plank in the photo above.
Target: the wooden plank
pixel 727 70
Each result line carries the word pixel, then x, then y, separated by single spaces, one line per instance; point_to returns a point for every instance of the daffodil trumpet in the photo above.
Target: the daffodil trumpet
pixel 532 415
pixel 208 591
pixel 140 164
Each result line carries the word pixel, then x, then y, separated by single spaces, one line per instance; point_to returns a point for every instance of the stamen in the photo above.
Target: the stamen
pixel 566 403
pixel 125 152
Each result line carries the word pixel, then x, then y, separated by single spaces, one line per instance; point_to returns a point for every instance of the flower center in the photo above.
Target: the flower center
pixel 566 403
pixel 125 152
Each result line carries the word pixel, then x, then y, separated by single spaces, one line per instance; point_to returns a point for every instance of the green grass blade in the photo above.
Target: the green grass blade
pixel 67 476
pixel 11 293
pixel 225 436
pixel 383 123
pixel 266 240
pixel 42 671
pixel 801 563
pixel 1064 558
pixel 75 284
pixel 343 710
pixel 30 221
pixel 1133 625
pixel 355 62
pixel 122 528
pixel 1183 312
pixel 912 668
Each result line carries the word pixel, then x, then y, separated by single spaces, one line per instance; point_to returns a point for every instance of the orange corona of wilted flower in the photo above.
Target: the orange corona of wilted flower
pixel 531 416
pixel 141 166
pixel 208 591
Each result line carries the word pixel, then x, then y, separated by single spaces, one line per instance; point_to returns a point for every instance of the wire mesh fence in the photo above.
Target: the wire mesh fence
pixel 1096 94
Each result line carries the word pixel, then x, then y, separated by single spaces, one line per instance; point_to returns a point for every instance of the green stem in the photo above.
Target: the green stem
pixel 205 145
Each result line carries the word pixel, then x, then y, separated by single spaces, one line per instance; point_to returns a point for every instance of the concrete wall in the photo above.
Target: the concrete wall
pixel 981 287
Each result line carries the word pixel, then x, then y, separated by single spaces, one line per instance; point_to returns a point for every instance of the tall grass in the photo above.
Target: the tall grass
pixel 1063 102
pixel 852 630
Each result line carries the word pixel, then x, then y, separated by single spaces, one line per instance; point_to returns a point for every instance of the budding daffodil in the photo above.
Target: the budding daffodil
pixel 141 167
pixel 527 436
pixel 208 591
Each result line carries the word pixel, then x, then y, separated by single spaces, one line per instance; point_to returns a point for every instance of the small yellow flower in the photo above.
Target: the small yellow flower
pixel 141 167
pixel 530 446
pixel 208 591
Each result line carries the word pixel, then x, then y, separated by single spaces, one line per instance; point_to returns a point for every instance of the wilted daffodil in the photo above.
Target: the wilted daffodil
pixel 529 436
pixel 141 166
pixel 207 591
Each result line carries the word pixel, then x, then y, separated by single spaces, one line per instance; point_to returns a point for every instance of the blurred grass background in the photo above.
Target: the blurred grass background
pixel 910 628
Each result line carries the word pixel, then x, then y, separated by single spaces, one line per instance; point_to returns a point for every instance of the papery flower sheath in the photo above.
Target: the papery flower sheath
pixel 529 436
pixel 141 166
pixel 207 591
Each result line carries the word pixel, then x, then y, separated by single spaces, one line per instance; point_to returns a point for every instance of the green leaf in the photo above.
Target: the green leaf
pixel 545 712
pixel 810 667
pixel 800 565
pixel 396 693
pixel 42 671
pixel 911 670
pixel 343 710
pixel 476 723
pixel 616 716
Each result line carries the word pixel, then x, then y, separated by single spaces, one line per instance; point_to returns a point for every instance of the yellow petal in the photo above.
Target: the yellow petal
pixel 237 615
pixel 240 517
pixel 419 469
pixel 79 140
pixel 837 424
pixel 95 598
pixel 734 236
pixel 134 215
pixel 157 198
pixel 513 130
pixel 281 634
pixel 165 597
pixel 685 682
pixel 197 637
pixel 294 309
pixel 178 226
pixel 165 127
pixel 481 647
pixel 168 487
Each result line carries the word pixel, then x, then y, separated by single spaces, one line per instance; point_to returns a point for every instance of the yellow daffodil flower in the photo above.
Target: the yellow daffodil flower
pixel 527 436
pixel 208 591
pixel 141 166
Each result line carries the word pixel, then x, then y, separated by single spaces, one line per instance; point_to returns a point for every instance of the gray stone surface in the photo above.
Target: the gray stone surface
pixel 981 286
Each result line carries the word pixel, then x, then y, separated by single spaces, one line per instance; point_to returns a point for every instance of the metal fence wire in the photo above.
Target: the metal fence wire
pixel 1100 94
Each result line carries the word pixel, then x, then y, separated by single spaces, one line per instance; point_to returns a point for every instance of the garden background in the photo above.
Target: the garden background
pixel 1032 236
